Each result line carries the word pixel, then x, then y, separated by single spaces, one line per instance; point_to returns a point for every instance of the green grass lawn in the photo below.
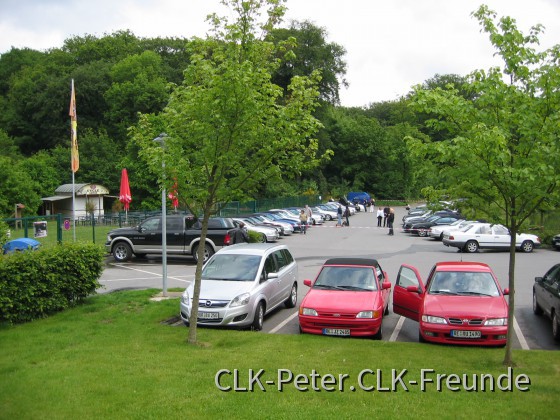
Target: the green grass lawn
pixel 115 357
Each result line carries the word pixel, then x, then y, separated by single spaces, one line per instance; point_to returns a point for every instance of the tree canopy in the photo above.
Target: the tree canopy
pixel 503 141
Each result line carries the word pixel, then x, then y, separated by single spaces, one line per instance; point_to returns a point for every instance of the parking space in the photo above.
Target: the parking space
pixel 363 239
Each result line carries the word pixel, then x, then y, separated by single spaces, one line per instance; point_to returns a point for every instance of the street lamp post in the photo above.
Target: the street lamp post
pixel 161 139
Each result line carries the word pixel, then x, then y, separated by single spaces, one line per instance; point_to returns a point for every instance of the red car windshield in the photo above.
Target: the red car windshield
pixel 463 283
pixel 346 278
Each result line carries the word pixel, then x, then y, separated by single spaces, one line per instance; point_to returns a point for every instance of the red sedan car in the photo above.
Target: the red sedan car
pixel 461 303
pixel 348 298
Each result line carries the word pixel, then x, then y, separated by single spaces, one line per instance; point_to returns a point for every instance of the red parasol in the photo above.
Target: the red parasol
pixel 173 196
pixel 124 196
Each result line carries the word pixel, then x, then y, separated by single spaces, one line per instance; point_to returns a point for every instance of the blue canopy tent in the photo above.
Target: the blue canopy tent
pixel 20 244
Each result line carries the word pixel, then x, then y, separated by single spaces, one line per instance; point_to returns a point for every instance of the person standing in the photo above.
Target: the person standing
pixel 347 215
pixel 339 216
pixel 239 234
pixel 386 211
pixel 303 221
pixel 379 217
pixel 391 219
pixel 309 213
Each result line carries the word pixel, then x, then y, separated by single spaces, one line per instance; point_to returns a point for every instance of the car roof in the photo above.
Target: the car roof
pixel 351 261
pixel 462 266
pixel 257 248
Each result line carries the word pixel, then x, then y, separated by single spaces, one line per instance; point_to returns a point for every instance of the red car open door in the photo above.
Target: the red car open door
pixel 408 292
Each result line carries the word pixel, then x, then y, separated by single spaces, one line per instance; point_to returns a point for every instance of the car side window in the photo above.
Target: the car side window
pixel 500 230
pixel 269 267
pixel 151 225
pixel 174 224
pixel 407 277
pixel 553 275
pixel 379 274
pixel 289 258
pixel 280 259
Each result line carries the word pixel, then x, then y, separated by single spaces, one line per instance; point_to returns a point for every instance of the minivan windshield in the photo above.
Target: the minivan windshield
pixel 231 267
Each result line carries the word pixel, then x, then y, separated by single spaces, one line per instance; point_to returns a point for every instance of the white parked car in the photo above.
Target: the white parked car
pixel 488 236
pixel 266 233
pixel 325 212
pixel 436 232
pixel 242 283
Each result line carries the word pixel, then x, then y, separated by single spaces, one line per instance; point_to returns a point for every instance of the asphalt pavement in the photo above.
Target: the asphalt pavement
pixel 363 239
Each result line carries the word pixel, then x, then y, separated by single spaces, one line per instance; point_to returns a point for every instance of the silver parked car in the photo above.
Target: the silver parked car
pixel 242 283
pixel 266 233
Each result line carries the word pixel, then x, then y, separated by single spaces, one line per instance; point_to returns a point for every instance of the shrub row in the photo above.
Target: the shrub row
pixel 35 284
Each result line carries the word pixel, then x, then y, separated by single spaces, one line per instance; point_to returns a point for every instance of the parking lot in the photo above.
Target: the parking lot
pixel 363 239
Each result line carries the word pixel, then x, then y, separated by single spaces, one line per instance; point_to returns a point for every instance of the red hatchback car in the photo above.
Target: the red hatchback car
pixel 461 303
pixel 348 298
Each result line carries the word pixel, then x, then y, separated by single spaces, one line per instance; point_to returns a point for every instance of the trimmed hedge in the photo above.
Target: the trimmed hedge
pixel 34 284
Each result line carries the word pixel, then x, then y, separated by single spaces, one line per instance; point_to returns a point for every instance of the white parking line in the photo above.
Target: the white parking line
pixel 149 272
pixel 292 316
pixel 520 335
pixel 397 329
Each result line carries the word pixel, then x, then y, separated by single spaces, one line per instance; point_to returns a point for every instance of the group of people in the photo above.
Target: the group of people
pixel 343 213
pixel 386 218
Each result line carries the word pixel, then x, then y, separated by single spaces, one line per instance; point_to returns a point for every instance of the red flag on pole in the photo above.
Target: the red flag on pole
pixel 124 196
pixel 74 127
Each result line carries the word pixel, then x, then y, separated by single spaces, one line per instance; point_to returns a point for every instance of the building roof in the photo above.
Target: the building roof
pixel 82 189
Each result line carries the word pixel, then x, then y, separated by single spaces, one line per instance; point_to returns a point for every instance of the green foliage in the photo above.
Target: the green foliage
pixel 17 186
pixel 4 231
pixel 310 52
pixel 36 284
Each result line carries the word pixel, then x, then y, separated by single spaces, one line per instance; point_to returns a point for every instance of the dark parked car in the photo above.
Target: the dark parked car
pixel 546 298
pixel 556 242
pixel 423 228
pixel 183 237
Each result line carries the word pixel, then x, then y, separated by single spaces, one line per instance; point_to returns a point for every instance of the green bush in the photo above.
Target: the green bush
pixel 4 230
pixel 35 284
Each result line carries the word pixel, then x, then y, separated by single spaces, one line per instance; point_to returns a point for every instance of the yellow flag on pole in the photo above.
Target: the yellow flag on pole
pixel 74 128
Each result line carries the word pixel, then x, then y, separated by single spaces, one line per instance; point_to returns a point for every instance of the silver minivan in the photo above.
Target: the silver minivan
pixel 241 283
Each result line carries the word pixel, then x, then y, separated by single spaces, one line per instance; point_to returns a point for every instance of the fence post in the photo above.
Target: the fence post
pixel 59 228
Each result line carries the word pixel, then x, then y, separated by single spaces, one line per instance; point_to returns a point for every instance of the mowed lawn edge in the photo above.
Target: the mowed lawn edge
pixel 116 356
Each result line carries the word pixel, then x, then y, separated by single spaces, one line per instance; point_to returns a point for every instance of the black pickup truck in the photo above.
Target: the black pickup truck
pixel 183 237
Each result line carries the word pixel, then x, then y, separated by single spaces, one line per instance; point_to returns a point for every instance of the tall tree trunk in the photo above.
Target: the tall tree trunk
pixel 508 357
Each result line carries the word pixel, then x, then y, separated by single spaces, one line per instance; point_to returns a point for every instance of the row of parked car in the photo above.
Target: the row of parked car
pixel 459 303
pixel 454 230
pixel 275 223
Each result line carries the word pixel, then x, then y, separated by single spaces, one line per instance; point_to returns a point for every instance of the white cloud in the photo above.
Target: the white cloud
pixel 391 45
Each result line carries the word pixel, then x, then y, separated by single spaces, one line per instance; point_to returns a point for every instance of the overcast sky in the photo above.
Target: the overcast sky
pixel 391 45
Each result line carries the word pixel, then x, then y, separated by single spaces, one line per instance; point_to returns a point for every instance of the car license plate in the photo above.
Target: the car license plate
pixel 336 331
pixel 208 315
pixel 465 334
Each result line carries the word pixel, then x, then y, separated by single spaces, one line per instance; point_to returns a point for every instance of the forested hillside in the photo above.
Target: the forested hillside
pixel 119 75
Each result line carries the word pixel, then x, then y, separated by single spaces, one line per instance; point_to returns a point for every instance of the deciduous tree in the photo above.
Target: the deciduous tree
pixel 504 139
pixel 228 126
